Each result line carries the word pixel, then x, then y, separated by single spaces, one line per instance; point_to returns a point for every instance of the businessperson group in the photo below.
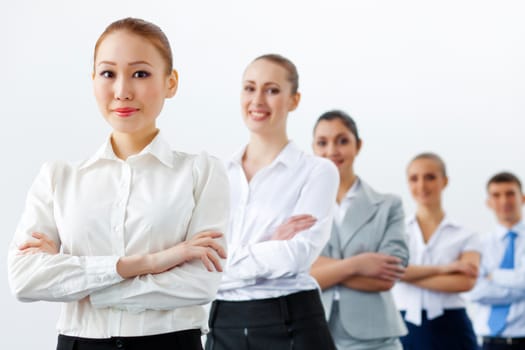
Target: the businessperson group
pixel 294 251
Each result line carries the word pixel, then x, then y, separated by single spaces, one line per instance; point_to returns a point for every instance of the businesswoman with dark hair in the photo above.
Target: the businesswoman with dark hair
pixel 367 250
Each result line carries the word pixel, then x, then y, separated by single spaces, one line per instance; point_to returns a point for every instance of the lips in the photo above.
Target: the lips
pixel 259 115
pixel 337 161
pixel 125 111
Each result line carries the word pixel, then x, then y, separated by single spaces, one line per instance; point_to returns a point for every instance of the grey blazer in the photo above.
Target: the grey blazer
pixel 373 223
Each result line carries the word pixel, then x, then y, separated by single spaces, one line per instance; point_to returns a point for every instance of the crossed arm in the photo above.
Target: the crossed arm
pixel 369 271
pixel 175 277
pixel 458 276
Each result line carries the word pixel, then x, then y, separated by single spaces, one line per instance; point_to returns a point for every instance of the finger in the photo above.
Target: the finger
pixel 207 263
pixel 299 217
pixel 207 234
pixel 38 235
pixel 29 251
pixel 211 243
pixel 215 261
pixel 394 260
pixel 30 244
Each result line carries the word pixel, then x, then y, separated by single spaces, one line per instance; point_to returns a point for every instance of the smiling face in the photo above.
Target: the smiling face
pixel 130 82
pixel 426 181
pixel 266 97
pixel 333 140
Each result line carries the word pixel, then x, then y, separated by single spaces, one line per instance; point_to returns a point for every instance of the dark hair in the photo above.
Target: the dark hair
pixel 504 177
pixel 144 29
pixel 431 156
pixel 347 121
pixel 293 75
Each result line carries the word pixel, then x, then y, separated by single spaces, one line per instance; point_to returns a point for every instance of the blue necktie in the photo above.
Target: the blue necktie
pixel 498 313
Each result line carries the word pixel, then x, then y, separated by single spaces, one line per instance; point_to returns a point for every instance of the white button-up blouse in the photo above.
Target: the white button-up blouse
pixel 445 246
pixel 294 183
pixel 105 208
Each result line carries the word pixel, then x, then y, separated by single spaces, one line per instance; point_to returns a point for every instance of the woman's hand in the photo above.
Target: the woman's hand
pixel 293 226
pixel 203 246
pixel 378 265
pixel 41 244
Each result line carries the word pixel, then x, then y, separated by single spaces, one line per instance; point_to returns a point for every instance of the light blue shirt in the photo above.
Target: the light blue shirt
pixel 505 286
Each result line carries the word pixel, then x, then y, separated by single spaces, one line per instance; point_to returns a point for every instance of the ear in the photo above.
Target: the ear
pixel 173 84
pixel 295 101
pixel 93 75
pixel 359 146
pixel 446 182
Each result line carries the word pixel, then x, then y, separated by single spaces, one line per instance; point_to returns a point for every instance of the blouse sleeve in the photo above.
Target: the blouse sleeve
pixel 284 258
pixel 190 283
pixel 59 277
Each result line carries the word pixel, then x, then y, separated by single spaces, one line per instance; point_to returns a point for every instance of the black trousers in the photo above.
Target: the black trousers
pixel 450 331
pixel 295 321
pixel 182 340
pixel 501 345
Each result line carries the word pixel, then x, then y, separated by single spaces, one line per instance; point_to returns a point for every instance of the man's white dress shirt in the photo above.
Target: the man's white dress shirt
pixel 294 183
pixel 506 286
pixel 104 208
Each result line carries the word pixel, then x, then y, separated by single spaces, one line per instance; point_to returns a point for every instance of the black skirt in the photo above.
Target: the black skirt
pixel 182 340
pixel 295 321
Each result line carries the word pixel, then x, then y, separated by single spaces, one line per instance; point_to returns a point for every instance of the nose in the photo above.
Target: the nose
pixel 123 89
pixel 331 149
pixel 258 98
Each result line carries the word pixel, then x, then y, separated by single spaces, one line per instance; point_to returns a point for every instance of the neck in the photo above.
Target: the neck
pixel 431 213
pixel 509 223
pixel 346 181
pixel 262 150
pixel 126 144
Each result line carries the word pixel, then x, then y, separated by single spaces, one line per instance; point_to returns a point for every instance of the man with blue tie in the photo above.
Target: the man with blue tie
pixel 500 290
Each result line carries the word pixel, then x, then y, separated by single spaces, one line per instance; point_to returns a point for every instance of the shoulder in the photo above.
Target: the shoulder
pixel 318 166
pixel 385 200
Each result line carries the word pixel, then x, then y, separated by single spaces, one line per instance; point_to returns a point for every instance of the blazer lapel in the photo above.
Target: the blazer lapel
pixel 362 207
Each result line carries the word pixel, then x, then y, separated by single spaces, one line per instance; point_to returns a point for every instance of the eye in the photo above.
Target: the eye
pixel 141 74
pixel 343 141
pixel 272 91
pixel 430 177
pixel 107 74
pixel 412 178
pixel 248 88
pixel 321 143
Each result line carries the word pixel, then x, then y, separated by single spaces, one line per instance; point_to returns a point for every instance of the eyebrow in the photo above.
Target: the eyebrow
pixel 134 63
pixel 267 83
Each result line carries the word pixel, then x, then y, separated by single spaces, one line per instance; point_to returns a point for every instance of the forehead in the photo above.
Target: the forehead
pixel 424 165
pixel 331 128
pixel 502 187
pixel 125 46
pixel 265 71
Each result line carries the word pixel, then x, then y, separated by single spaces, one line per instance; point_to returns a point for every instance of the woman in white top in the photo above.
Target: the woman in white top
pixel 129 239
pixel 444 261
pixel 267 299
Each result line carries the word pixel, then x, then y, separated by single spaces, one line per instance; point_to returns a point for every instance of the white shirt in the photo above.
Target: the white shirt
pixel 294 183
pixel 339 216
pixel 506 286
pixel 444 246
pixel 105 208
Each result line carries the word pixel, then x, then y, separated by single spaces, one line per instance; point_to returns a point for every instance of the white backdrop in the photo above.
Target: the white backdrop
pixel 445 76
